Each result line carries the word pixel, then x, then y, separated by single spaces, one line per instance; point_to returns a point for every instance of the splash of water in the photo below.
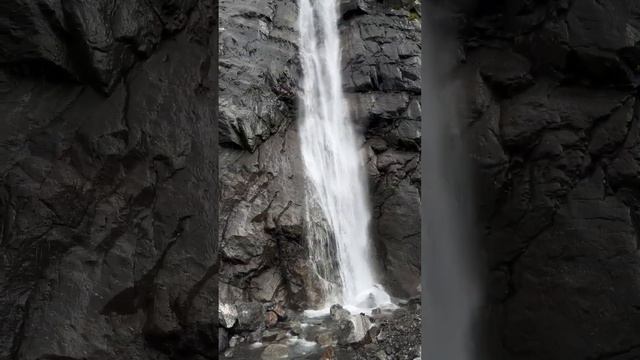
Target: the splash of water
pixel 339 248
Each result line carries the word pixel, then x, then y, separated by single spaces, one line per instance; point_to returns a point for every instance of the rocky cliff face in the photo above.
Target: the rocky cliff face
pixel 555 134
pixel 262 215
pixel 261 175
pixel 382 55
pixel 107 179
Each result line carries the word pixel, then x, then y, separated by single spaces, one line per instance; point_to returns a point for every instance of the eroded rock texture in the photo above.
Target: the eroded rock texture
pixel 261 205
pixel 555 134
pixel 382 48
pixel 262 213
pixel 108 171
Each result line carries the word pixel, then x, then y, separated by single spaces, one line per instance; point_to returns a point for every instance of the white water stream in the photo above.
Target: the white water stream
pixel 341 247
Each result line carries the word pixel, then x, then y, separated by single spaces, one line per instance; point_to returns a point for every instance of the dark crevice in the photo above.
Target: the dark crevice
pixel 349 15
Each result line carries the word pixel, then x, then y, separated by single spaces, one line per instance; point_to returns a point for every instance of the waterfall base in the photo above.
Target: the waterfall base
pixel 394 332
pixel 364 303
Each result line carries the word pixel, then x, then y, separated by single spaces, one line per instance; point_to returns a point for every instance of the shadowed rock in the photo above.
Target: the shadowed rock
pixel 108 121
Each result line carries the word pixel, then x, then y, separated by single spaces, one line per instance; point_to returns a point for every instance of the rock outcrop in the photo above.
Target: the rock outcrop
pixel 553 126
pixel 261 206
pixel 382 58
pixel 108 172
pixel 262 246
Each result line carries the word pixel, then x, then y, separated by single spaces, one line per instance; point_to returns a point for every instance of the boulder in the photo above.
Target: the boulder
pixel 251 316
pixel 344 330
pixel 227 315
pixel 337 313
pixel 353 330
pixel 361 327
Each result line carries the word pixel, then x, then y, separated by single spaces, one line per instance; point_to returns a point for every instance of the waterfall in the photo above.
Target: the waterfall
pixel 340 249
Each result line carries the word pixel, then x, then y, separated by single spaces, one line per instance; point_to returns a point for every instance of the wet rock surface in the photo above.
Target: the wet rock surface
pixel 108 179
pixel 396 337
pixel 382 77
pixel 337 313
pixel 262 195
pixel 390 335
pixel 552 124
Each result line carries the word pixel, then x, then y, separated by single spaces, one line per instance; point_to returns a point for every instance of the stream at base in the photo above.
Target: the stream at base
pixel 392 334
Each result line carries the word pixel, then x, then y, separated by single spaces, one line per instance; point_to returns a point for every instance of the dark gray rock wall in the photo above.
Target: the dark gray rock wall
pixel 108 171
pixel 262 198
pixel 553 124
pixel 381 54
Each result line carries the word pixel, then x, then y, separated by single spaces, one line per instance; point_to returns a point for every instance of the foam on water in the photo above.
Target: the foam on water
pixel 363 303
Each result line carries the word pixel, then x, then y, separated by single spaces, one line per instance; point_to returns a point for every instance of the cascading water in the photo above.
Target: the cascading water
pixel 341 252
